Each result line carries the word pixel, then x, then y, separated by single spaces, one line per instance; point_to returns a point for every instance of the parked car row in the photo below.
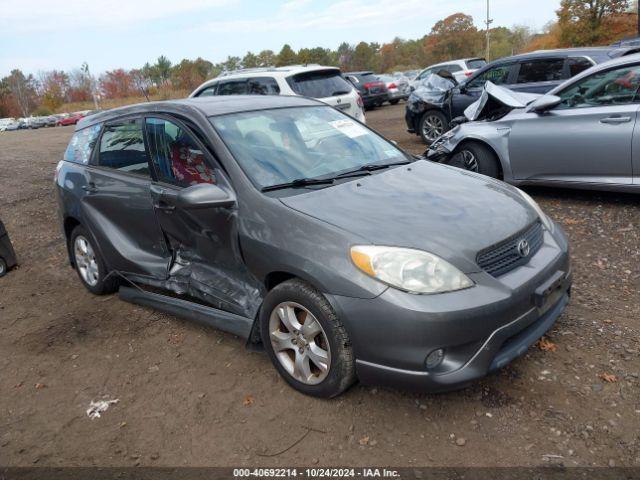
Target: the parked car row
pixel 35 122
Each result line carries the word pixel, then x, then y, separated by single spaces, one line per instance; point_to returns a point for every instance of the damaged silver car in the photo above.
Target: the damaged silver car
pixel 582 134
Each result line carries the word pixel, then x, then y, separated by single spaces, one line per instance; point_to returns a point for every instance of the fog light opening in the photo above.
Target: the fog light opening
pixel 434 358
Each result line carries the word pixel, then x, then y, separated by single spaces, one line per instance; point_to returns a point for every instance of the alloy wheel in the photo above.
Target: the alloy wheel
pixel 469 161
pixel 432 127
pixel 300 343
pixel 86 261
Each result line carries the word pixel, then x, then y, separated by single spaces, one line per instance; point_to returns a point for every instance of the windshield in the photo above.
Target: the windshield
pixel 282 145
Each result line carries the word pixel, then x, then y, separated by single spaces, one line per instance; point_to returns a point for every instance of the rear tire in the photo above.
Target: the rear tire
pixel 3 267
pixel 478 158
pixel 305 340
pixel 89 264
pixel 432 124
pixel 394 102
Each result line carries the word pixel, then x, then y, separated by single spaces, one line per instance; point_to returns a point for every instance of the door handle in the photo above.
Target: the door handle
pixel 90 187
pixel 615 120
pixel 164 206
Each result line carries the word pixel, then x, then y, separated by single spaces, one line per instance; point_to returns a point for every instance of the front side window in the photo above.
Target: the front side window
pixel 282 145
pixel 545 70
pixel 262 86
pixel 612 87
pixel 497 75
pixel 122 148
pixel 319 84
pixel 176 156
pixel 81 145
pixel 209 91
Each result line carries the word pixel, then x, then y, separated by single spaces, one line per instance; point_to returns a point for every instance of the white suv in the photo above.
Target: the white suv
pixel 460 69
pixel 323 83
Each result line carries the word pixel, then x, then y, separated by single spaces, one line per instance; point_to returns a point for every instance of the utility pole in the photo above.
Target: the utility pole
pixel 488 22
pixel 638 15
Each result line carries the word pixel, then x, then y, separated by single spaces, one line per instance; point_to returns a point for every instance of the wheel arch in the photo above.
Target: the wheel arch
pixel 69 224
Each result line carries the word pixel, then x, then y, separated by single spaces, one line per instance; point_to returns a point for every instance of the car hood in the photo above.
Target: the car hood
pixel 496 101
pixel 443 210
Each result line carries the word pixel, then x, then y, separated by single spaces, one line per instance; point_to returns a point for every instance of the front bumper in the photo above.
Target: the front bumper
pixel 480 329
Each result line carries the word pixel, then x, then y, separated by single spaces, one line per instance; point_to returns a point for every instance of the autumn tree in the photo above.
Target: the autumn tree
pixel 589 22
pixel 117 84
pixel 188 74
pixel 454 37
pixel 54 88
pixel 21 92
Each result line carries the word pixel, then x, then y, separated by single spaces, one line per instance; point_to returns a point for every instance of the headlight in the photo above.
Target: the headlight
pixel 546 221
pixel 411 270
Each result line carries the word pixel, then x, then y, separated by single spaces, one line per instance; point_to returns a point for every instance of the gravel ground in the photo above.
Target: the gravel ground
pixel 189 395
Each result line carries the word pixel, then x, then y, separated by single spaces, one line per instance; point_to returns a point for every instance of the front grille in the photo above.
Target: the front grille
pixel 504 256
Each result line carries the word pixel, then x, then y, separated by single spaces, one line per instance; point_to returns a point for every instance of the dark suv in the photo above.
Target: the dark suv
pixel 284 221
pixel 372 90
pixel 429 115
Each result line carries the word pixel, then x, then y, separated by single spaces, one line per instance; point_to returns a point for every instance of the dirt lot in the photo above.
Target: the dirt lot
pixel 190 395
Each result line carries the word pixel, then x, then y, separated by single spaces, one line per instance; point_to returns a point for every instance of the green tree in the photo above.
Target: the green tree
pixel 365 57
pixel 266 58
pixel 286 56
pixel 250 60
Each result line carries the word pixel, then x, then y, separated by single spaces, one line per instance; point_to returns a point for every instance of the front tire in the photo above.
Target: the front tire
pixel 306 341
pixel 3 267
pixel 476 158
pixel 432 125
pixel 89 263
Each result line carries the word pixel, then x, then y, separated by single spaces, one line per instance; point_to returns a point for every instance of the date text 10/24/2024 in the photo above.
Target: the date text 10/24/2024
pixel 315 473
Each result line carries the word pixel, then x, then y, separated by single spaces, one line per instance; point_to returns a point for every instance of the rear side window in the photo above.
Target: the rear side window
pixel 545 70
pixel 81 145
pixel 262 86
pixel 232 87
pixel 320 84
pixel 122 148
pixel 475 64
pixel 577 65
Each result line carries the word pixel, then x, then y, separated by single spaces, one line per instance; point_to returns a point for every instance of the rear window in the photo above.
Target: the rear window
pixel 475 64
pixel 544 70
pixel 319 84
pixel 81 145
pixel 368 78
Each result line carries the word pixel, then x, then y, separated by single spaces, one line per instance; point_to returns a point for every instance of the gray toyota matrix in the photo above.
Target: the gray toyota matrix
pixel 290 224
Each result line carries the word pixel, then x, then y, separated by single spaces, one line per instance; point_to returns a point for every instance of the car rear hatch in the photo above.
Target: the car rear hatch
pixel 326 85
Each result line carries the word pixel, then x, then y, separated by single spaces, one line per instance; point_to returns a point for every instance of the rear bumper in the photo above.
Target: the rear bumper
pixel 377 99
pixel 479 329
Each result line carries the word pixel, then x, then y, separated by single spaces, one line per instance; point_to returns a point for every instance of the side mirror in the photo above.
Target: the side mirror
pixel 544 103
pixel 204 195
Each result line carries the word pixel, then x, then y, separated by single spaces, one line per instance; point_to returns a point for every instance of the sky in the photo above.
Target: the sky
pixel 38 35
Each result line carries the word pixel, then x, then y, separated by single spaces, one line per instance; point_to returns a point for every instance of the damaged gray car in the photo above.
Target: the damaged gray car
pixel 290 224
pixel 582 134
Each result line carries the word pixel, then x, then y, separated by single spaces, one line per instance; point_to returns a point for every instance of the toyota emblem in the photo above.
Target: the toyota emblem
pixel 523 248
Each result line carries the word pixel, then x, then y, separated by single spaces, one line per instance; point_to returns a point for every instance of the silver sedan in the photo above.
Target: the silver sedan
pixel 580 134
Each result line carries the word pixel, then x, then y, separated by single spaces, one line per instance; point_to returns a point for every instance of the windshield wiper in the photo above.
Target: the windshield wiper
pixel 370 167
pixel 297 183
